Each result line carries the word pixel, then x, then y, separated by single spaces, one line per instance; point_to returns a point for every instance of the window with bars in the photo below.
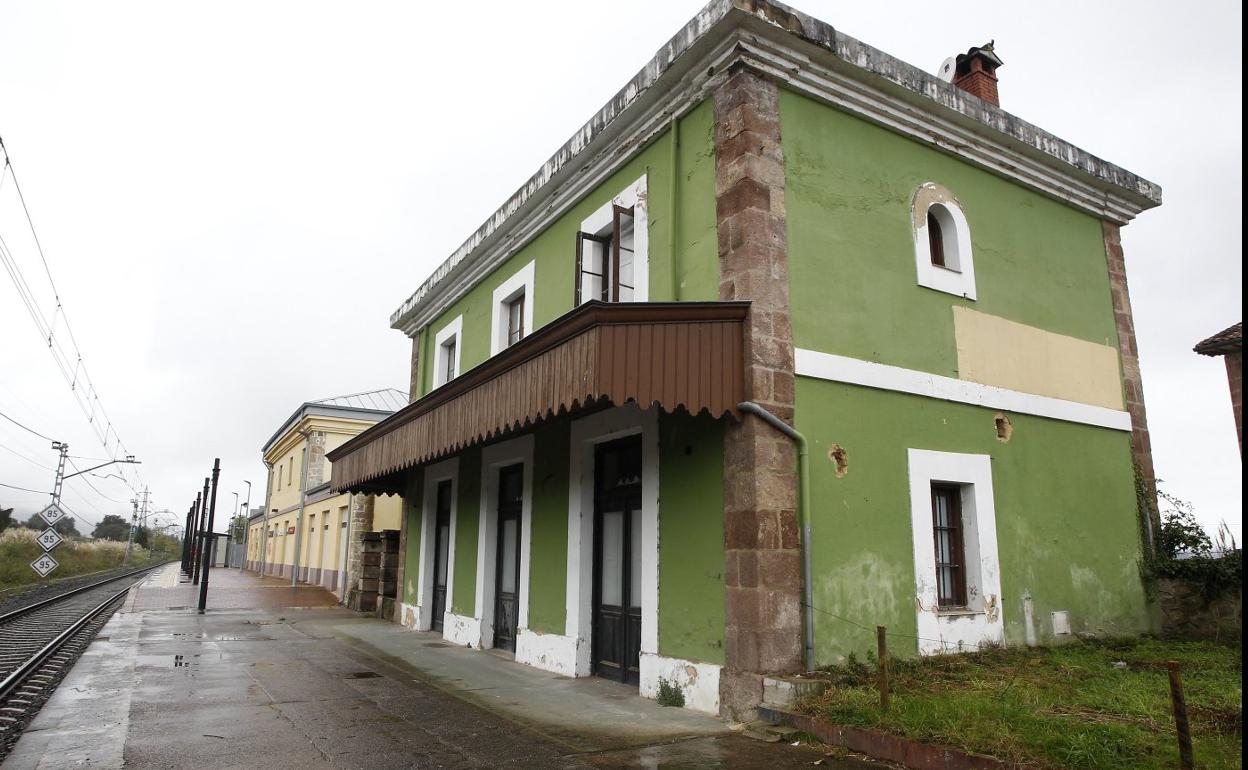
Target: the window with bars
pixel 605 260
pixel 949 536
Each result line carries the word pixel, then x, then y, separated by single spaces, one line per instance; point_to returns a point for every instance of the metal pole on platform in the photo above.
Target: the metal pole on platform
pixel 199 533
pixel 191 529
pixel 186 540
pixel 208 537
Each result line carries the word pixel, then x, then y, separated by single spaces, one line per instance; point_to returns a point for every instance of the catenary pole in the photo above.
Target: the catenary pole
pixel 199 533
pixel 208 537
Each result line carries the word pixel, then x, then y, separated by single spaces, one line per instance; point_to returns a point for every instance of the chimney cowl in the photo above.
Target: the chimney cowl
pixel 976 72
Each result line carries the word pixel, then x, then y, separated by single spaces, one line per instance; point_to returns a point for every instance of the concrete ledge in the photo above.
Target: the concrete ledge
pixel 879 745
pixel 784 691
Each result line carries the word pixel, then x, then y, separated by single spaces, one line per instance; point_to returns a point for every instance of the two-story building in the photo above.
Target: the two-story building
pixel 790 340
pixel 306 528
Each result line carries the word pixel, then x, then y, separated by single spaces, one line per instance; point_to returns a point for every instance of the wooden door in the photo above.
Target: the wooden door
pixel 441 551
pixel 507 563
pixel 617 560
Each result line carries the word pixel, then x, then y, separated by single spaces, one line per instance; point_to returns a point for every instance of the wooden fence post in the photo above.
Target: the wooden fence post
pixel 881 644
pixel 1179 704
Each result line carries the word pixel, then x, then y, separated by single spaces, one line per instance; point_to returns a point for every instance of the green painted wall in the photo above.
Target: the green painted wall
pixel 548 548
pixel 691 538
pixel 1065 505
pixel 467 524
pixel 413 500
pixel 554 250
pixel 849 187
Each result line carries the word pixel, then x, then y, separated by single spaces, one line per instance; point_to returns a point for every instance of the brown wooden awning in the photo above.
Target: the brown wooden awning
pixel 673 354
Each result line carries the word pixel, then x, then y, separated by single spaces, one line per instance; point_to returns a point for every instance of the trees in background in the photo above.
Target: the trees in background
pixel 112 527
pixel 66 526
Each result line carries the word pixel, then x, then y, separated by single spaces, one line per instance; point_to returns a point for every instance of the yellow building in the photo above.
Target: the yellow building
pixel 304 528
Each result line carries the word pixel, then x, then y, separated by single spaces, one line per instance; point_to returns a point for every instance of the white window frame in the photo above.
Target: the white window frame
pixel 453 330
pixel 957 276
pixel 634 196
pixel 520 283
pixel 980 623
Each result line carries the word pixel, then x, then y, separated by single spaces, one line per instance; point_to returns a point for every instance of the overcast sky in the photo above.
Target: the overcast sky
pixel 233 197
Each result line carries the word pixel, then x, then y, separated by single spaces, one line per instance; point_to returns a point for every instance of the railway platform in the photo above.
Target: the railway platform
pixel 274 677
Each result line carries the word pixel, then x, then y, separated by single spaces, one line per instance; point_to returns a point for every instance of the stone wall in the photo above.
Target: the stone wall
pixel 763 630
pixel 1132 382
pixel 361 524
pixel 1185 613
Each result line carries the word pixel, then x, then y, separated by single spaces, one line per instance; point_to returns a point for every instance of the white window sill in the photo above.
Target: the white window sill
pixel 957 612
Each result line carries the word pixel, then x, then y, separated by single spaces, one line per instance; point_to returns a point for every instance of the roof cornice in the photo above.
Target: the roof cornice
pixel 311 409
pixel 805 55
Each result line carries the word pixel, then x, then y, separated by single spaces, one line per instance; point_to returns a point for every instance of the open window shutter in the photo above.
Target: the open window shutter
pixel 614 282
pixel 580 256
pixel 585 242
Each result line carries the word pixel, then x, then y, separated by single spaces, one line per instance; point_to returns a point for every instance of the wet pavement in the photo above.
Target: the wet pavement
pixel 320 687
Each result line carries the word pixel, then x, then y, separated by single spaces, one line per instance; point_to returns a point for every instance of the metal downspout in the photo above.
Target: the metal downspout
pixel 673 187
pixel 803 512
pixel 303 500
pixel 264 535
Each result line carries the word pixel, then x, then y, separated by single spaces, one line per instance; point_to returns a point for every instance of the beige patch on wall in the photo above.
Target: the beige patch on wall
pixel 995 351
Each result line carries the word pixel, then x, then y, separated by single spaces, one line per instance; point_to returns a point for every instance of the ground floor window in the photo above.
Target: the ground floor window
pixel 950 548
pixel 956 567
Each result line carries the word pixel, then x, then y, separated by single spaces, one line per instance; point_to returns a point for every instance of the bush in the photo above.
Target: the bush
pixel 76 557
pixel 670 694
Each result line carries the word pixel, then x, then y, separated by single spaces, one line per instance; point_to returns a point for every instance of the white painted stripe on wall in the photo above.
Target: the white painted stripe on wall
pixel 854 371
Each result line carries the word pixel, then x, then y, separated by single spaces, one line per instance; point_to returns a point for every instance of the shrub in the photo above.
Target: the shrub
pixel 670 694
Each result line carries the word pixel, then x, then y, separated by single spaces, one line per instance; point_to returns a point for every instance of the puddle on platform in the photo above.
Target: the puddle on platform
pixel 186 663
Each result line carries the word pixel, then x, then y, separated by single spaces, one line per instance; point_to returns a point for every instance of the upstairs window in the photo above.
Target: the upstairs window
pixel 935 240
pixel 450 351
pixel 515 320
pixel 513 309
pixel 446 352
pixel 942 242
pixel 605 263
pixel 612 262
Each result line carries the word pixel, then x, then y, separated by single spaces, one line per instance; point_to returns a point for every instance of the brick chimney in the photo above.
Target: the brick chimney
pixel 976 72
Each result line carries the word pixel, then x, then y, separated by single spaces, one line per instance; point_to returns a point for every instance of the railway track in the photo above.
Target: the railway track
pixel 40 642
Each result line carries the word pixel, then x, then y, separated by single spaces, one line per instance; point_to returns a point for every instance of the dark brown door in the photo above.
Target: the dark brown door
pixel 507 563
pixel 441 550
pixel 617 560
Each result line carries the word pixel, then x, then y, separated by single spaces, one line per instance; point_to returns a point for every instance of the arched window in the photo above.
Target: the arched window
pixel 935 239
pixel 942 242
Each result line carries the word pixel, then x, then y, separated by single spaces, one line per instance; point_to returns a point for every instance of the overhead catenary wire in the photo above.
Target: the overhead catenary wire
pixel 16 453
pixel 23 489
pixel 73 367
pixel 25 428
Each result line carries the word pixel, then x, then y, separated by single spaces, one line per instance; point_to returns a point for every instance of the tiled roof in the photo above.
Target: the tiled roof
pixel 1225 341
pixel 384 400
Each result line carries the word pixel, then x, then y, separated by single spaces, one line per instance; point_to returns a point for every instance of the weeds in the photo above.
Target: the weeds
pixel 76 557
pixel 1097 704
pixel 670 694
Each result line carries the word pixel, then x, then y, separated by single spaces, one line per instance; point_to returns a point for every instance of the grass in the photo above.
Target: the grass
pixel 76 557
pixel 1062 707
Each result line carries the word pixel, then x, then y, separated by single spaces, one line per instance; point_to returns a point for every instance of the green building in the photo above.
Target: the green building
pixel 790 340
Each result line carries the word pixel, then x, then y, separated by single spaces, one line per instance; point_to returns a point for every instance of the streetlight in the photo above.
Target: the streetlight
pixel 246 525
